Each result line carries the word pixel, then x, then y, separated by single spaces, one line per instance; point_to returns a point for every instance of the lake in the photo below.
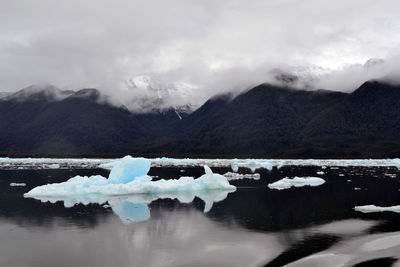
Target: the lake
pixel 252 226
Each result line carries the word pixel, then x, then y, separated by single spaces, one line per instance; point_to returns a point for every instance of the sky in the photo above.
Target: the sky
pixel 143 53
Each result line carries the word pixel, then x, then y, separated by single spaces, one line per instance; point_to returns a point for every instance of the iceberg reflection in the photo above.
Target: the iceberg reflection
pixel 134 208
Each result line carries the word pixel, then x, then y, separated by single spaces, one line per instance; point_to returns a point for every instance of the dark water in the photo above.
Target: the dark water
pixel 254 226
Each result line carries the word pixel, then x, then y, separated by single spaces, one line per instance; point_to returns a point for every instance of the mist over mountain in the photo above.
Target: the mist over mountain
pixel 190 51
pixel 265 121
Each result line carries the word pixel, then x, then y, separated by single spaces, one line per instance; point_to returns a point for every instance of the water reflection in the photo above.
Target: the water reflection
pixel 187 237
pixel 175 238
pixel 134 208
pixel 255 226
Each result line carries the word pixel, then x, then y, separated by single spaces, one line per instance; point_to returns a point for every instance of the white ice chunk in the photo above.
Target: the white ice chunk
pixel 373 208
pixel 53 166
pixel 234 165
pixel 286 183
pixel 238 176
pixel 17 184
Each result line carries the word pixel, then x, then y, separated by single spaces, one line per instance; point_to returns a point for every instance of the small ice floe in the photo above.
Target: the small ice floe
pixel 286 183
pixel 320 173
pixel 17 184
pixel 53 166
pixel 373 208
pixel 235 168
pixel 234 165
pixel 391 175
pixel 237 176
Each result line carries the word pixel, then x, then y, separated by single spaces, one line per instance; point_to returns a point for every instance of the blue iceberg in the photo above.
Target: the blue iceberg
pixel 129 176
pixel 129 189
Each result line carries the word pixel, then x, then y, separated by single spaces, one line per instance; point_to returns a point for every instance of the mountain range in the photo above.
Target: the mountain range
pixel 267 122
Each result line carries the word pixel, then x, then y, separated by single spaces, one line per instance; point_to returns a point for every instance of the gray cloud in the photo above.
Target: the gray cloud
pixel 194 49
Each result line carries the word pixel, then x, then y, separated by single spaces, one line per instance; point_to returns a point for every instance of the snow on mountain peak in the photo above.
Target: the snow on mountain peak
pixel 146 93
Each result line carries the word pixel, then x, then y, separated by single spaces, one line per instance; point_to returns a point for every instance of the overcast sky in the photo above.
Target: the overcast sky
pixel 194 49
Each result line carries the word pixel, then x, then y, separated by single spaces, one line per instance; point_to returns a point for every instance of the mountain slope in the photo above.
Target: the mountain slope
pixel 80 124
pixel 366 123
pixel 264 121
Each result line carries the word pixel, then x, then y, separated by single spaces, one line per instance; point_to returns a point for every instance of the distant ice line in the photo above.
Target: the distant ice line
pixel 253 164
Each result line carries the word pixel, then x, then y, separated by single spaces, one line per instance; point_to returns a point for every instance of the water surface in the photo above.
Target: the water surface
pixel 254 226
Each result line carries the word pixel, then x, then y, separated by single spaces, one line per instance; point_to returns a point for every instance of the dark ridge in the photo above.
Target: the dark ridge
pixel 265 122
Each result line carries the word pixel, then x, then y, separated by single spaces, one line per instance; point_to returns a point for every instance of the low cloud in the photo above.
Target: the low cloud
pixel 188 51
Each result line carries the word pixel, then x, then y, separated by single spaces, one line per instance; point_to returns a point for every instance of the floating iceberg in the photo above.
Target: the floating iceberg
pixel 128 189
pixel 17 184
pixel 238 176
pixel 373 208
pixel 286 183
pixel 129 176
pixel 53 166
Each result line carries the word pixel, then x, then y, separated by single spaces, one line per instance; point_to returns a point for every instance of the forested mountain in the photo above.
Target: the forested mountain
pixel 266 121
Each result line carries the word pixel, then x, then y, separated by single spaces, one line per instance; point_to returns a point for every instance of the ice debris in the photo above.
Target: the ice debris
pixel 286 183
pixel 53 166
pixel 238 176
pixel 373 208
pixel 68 163
pixel 17 184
